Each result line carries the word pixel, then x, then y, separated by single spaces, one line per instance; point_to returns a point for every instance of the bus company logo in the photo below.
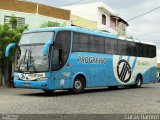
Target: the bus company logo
pixel 124 71
pixel 92 60
pixel 66 74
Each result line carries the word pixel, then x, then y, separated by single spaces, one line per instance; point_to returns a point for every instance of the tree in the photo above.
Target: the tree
pixel 52 24
pixel 130 37
pixel 8 35
pixel 13 21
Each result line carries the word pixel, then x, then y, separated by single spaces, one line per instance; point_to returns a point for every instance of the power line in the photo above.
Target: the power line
pixel 144 13
pixel 134 10
pixel 74 2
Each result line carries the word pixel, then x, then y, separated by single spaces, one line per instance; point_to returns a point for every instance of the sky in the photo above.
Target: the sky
pixel 145 28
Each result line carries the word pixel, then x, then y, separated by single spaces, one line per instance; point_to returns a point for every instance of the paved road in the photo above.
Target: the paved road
pixel 101 101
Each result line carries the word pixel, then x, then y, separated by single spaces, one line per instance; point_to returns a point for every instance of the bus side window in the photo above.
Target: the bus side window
pixel 56 57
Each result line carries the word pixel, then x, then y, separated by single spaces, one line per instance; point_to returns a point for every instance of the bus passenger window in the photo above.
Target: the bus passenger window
pixel 56 57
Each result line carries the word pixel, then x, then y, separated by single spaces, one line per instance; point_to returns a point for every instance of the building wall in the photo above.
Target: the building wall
pixel 87 11
pixel 20 6
pixel 81 22
pixel 30 18
pixel 100 26
pixel 54 12
pixel 29 12
pixel 93 12
pixel 122 29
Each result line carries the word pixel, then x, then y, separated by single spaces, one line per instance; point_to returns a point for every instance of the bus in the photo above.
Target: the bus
pixel 73 58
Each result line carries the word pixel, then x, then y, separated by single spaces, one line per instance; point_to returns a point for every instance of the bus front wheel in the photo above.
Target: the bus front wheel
pixel 78 85
pixel 138 82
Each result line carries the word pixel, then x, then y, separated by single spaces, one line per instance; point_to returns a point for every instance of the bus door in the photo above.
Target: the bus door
pixel 56 62
pixel 61 73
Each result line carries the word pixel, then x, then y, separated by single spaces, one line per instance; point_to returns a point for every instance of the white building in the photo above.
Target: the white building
pixel 106 18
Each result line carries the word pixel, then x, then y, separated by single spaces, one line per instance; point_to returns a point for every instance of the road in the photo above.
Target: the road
pixel 98 101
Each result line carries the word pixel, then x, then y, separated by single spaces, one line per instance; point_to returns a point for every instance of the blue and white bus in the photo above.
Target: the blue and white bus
pixel 73 58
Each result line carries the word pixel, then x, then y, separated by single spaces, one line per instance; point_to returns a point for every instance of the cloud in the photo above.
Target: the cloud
pixel 147 27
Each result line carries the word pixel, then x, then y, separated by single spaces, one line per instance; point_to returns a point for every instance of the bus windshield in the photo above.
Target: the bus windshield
pixel 31 59
pixel 36 38
pixel 29 55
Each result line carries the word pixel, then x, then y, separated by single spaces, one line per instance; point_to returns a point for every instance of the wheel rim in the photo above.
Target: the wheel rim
pixel 78 85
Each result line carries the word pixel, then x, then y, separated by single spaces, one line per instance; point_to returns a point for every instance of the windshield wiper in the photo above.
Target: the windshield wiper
pixel 30 61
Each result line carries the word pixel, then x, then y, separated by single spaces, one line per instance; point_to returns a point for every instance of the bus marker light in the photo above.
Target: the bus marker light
pixel 67 64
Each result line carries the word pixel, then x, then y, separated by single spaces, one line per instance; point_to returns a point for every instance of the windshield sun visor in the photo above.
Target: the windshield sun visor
pixel 46 46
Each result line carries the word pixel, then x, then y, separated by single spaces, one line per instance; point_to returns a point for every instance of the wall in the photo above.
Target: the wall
pixel 81 22
pixel 93 12
pixel 30 18
pixel 20 6
pixel 100 26
pixel 122 29
pixel 87 11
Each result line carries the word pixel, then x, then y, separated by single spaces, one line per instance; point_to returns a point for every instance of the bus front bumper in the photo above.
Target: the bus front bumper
pixel 31 84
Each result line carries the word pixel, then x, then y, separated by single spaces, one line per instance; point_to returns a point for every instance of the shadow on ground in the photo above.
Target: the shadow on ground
pixel 87 91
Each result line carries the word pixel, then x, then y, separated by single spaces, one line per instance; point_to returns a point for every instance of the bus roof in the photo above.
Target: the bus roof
pixel 87 31
pixel 74 29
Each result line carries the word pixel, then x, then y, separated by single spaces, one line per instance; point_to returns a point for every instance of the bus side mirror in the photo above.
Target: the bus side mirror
pixel 8 49
pixel 46 46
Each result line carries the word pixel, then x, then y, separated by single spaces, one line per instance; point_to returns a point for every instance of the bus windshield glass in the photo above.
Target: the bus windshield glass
pixel 36 38
pixel 31 59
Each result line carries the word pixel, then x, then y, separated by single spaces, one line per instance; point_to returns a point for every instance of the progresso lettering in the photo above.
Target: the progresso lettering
pixel 92 60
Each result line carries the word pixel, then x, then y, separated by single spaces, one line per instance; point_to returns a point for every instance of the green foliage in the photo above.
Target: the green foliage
pixel 63 24
pixel 13 21
pixel 9 35
pixel 52 24
pixel 130 37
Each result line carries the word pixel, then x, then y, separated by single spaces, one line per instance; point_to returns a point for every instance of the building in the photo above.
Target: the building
pixel 33 14
pixel 82 22
pixel 99 16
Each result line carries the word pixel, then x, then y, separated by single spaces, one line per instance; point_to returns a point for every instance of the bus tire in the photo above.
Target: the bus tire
pixel 48 91
pixel 113 87
pixel 78 85
pixel 138 82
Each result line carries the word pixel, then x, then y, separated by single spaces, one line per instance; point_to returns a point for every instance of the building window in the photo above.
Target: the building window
pixel 103 19
pixel 113 23
pixel 20 20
